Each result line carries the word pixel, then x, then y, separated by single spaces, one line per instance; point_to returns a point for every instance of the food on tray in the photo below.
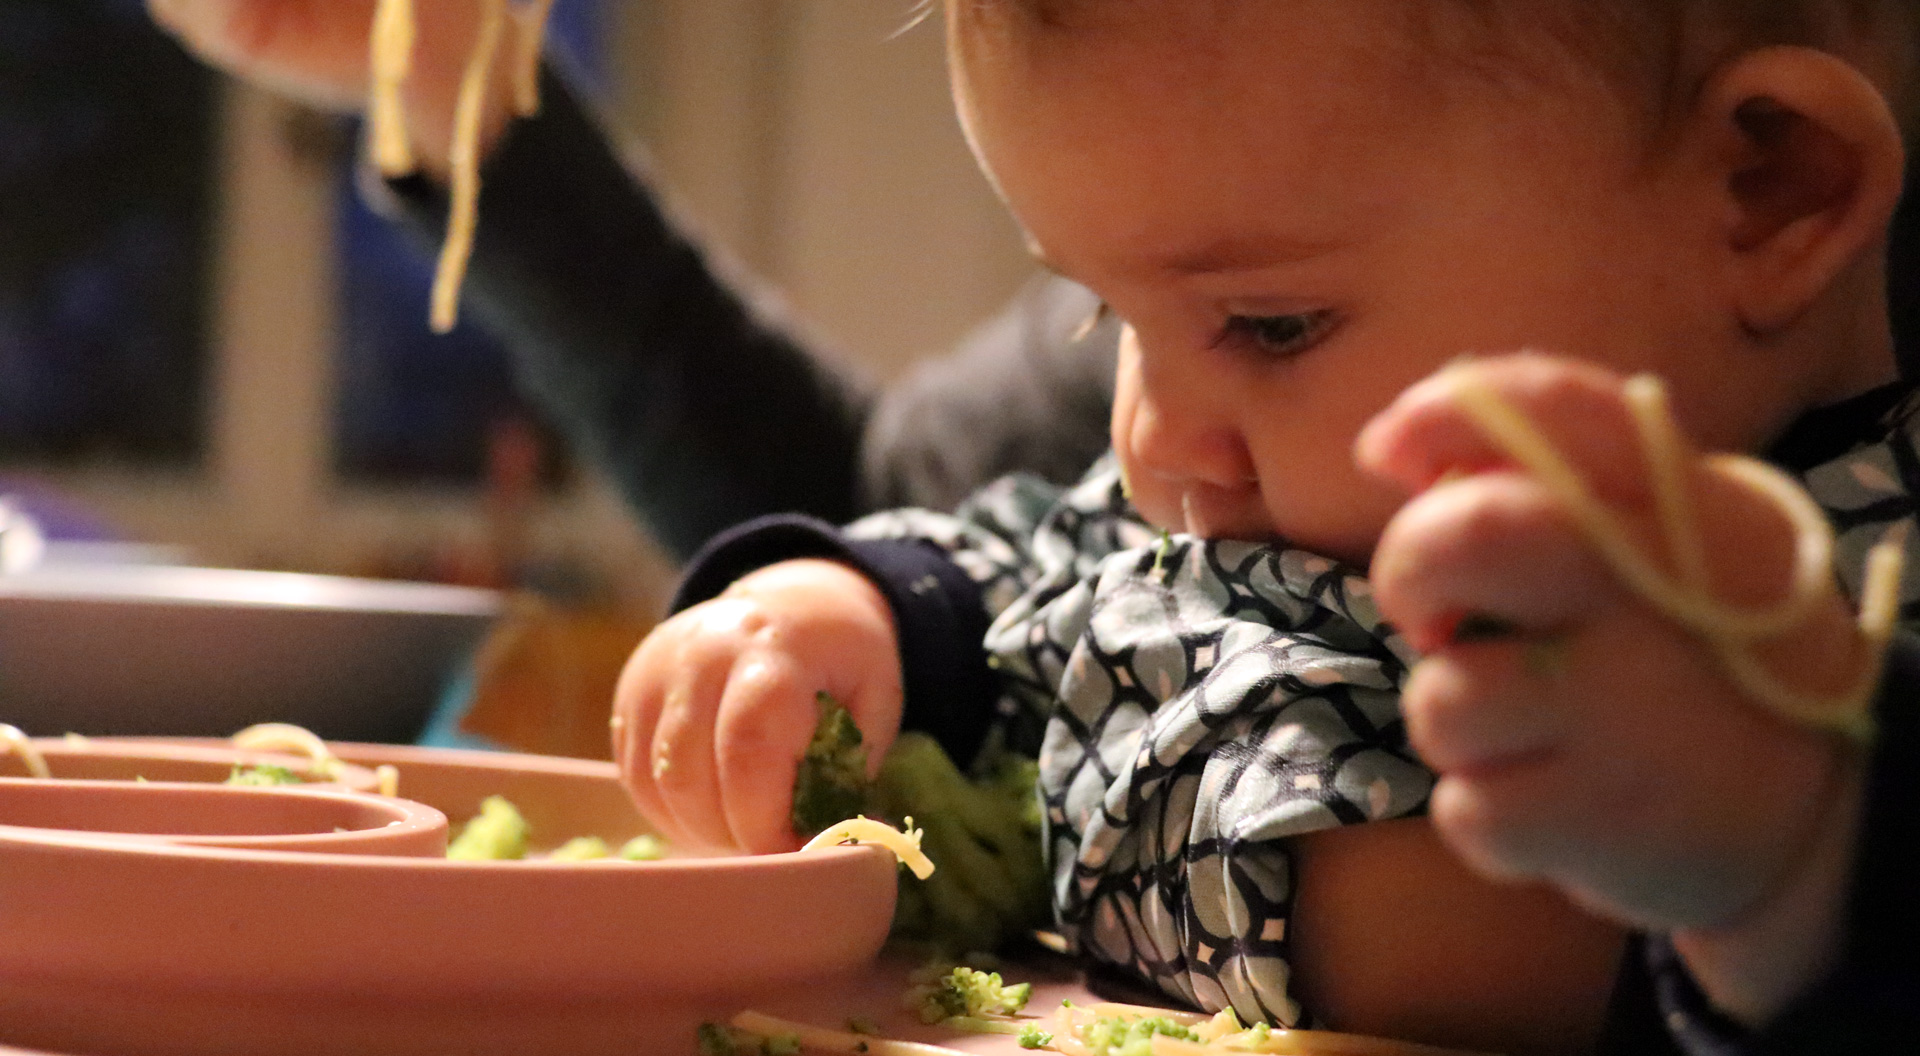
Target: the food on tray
pixel 831 784
pixel 286 737
pixel 758 1034
pixel 497 833
pixel 14 740
pixel 392 44
pixel 501 833
pixel 983 830
pixel 263 776
pixel 968 995
pixel 905 844
pixel 964 998
pixel 1684 594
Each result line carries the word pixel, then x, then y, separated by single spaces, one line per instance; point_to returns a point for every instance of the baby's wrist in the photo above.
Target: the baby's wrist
pixel 1757 963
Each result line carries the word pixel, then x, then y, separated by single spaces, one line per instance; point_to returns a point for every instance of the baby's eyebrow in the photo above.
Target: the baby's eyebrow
pixel 1238 253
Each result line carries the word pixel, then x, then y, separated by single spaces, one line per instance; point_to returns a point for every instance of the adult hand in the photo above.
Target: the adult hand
pixel 1582 736
pixel 317 52
pixel 716 707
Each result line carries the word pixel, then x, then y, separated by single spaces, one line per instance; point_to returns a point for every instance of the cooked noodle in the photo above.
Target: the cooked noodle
pixel 14 740
pixel 529 41
pixel 1684 595
pixel 286 737
pixel 391 44
pixel 392 60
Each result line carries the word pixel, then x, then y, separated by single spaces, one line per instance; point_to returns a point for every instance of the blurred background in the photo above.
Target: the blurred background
pixel 208 348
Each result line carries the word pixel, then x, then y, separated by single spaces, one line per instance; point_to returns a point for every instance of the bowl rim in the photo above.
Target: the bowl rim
pixel 404 817
pixel 205 587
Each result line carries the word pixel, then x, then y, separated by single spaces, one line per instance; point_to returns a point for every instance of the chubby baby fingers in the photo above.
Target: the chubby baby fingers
pixel 767 716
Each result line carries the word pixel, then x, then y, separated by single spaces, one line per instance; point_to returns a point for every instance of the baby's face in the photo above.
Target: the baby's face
pixel 1299 218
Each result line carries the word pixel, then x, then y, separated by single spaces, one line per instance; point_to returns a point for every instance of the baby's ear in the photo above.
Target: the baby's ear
pixel 1808 157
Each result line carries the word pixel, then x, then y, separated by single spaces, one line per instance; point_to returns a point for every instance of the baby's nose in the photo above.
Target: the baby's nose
pixel 1189 448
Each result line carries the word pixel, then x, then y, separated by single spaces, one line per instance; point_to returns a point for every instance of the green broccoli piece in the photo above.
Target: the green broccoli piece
pixel 1120 1036
pixel 581 849
pixel 714 1040
pixel 261 776
pixel 990 881
pixel 498 832
pixel 644 848
pixel 1032 1037
pixel 967 993
pixel 831 785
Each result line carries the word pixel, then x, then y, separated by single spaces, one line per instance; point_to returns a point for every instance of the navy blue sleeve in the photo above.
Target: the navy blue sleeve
pixel 937 611
pixel 1871 1001
pixel 699 396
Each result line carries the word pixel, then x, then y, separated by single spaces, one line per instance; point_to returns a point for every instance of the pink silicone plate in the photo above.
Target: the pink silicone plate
pixel 285 818
pixel 148 949
pixel 129 759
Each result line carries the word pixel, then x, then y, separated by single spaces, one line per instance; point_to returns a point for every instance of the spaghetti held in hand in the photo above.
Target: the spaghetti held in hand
pixel 392 44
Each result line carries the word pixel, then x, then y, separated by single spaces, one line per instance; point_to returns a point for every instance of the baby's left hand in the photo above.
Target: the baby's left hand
pixel 1582 736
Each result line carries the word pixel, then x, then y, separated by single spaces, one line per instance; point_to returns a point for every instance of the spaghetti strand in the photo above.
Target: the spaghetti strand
pixel 391 63
pixel 468 116
pixel 1684 596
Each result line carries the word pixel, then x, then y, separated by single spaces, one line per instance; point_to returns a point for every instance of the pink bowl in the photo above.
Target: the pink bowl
pixel 287 818
pixel 148 949
pixel 129 759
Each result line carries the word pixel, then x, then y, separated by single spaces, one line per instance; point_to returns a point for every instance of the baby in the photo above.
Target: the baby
pixel 1303 209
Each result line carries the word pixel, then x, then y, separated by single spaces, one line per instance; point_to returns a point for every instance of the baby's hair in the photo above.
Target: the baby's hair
pixel 1660 50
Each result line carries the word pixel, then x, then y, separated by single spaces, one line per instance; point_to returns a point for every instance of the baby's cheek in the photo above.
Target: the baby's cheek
pixel 1155 499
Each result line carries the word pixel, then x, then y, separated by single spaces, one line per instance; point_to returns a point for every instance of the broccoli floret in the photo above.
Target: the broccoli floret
pixel 497 832
pixel 969 993
pixel 263 775
pixel 1120 1036
pixel 580 849
pixel 644 848
pixel 984 838
pixel 715 1040
pixel 831 785
pixel 1032 1037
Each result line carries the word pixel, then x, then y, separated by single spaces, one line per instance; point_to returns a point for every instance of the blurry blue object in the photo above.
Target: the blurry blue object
pixel 443 727
pixel 106 178
pixel 60 518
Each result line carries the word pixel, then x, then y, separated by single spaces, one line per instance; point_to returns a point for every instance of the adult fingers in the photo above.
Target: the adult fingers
pixel 316 49
pixel 1430 433
pixel 1494 545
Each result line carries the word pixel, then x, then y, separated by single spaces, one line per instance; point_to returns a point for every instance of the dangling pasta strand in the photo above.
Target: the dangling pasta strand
pixel 468 116
pixel 286 737
pixel 529 42
pixel 392 44
pixel 1684 595
pixel 392 61
pixel 14 740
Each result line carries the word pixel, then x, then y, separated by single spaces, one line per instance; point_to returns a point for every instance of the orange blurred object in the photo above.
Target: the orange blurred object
pixel 544 680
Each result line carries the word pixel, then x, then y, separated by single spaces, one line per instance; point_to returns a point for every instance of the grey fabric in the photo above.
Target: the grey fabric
pixel 698 392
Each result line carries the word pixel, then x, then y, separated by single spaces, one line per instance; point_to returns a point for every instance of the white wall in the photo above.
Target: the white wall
pixel 811 141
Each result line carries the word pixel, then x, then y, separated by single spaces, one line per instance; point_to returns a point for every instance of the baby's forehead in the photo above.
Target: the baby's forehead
pixel 1653 53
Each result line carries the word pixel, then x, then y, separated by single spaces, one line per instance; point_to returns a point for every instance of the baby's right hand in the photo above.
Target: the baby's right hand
pixel 716 707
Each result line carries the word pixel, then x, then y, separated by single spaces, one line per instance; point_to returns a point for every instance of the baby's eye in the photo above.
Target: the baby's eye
pixel 1277 335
